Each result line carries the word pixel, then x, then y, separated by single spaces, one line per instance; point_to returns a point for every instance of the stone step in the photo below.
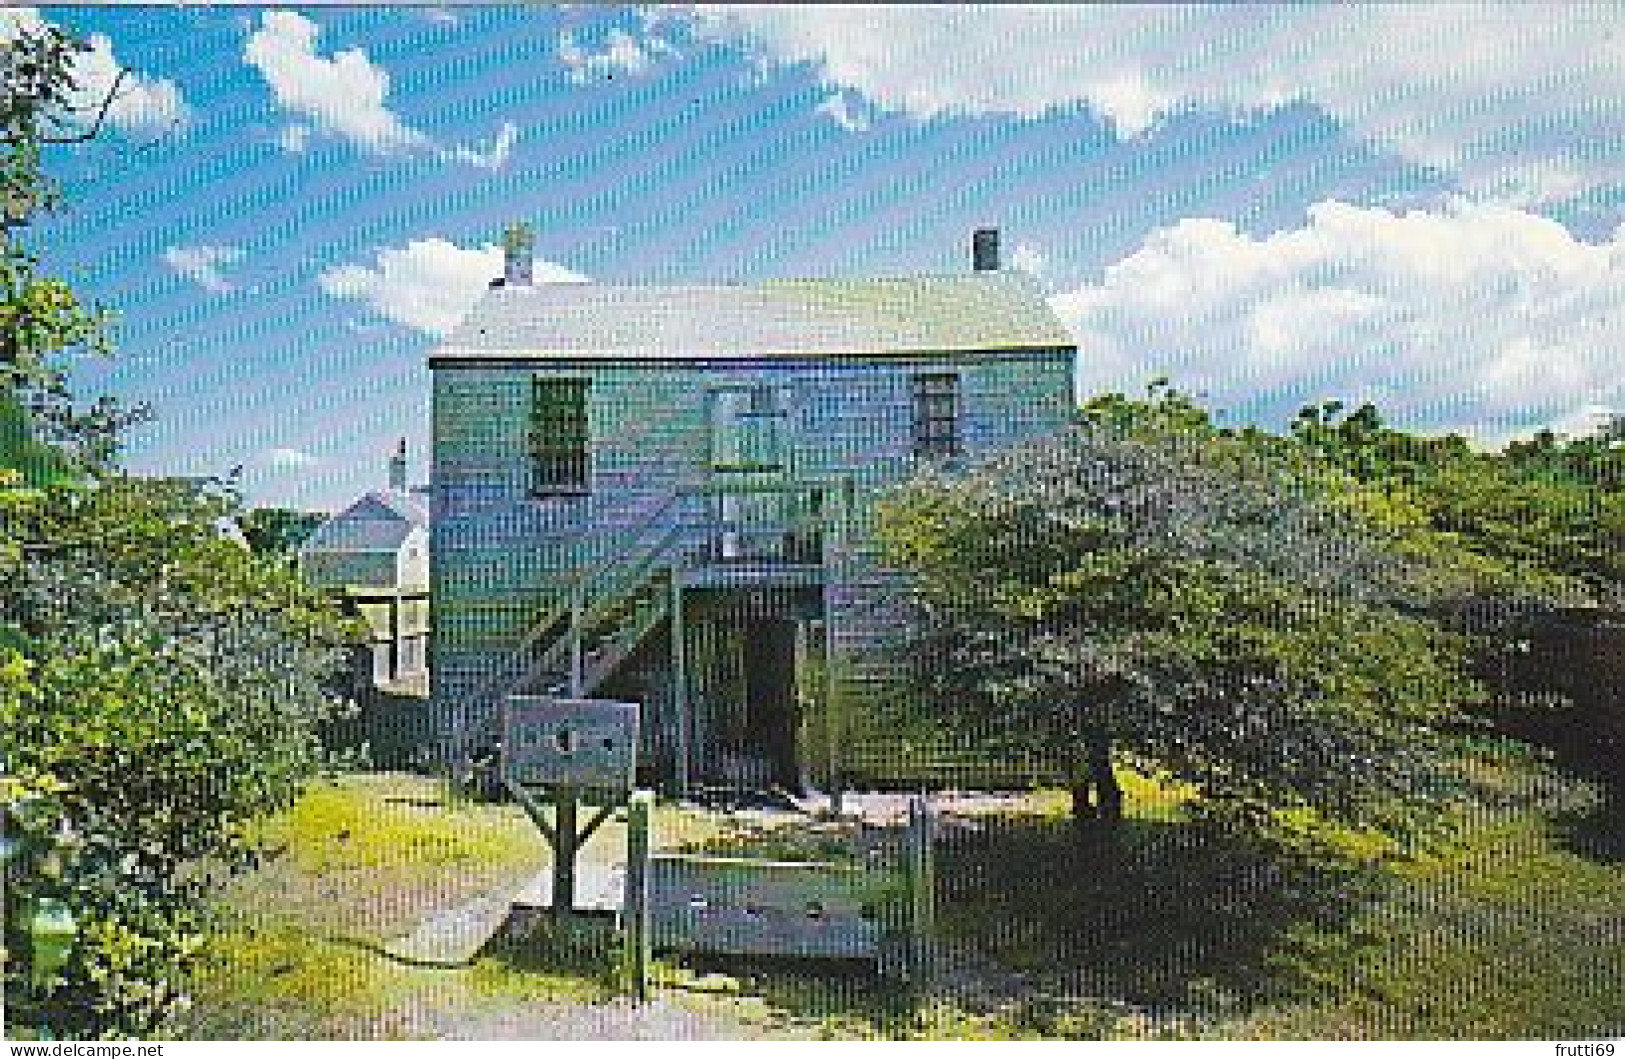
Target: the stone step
pixel 599 888
pixel 455 936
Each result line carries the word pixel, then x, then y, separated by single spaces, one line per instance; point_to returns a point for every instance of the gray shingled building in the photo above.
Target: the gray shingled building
pixel 664 494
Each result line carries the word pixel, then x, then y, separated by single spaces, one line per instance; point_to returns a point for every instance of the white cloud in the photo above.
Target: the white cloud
pixel 294 138
pixel 494 157
pixel 1586 420
pixel 343 95
pixel 1030 259
pixel 837 109
pixel 621 53
pixel 428 284
pixel 288 459
pixel 141 104
pixel 440 16
pixel 1478 315
pixel 203 264
pixel 1518 106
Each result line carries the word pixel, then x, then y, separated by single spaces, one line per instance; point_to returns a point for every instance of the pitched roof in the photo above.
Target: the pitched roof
pixel 379 521
pixel 852 317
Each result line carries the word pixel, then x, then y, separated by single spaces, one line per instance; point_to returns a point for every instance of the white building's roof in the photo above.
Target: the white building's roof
pixel 379 521
pixel 784 318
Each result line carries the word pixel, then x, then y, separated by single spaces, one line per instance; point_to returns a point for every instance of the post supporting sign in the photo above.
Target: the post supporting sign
pixel 568 752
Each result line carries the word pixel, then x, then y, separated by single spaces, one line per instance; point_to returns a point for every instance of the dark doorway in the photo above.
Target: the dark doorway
pixel 770 701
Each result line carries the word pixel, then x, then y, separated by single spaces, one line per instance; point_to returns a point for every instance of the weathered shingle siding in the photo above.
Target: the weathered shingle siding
pixel 500 556
pixel 355 569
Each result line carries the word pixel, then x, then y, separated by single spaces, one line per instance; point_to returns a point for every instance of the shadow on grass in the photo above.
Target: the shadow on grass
pixel 840 998
pixel 1164 916
pixel 535 954
pixel 1043 935
pixel 1595 831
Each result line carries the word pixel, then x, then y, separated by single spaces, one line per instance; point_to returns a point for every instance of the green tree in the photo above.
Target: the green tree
pixel 277 531
pixel 165 688
pixel 1212 605
pixel 160 686
pixel 1549 505
pixel 42 431
pixel 1544 519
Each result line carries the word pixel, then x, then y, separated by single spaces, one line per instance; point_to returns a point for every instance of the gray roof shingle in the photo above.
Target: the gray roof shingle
pixel 854 317
pixel 379 521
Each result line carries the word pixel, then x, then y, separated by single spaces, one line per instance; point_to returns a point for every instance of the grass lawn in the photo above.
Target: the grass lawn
pixel 361 861
pixel 1515 929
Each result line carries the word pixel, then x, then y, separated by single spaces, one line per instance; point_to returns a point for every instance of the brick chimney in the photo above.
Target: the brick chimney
pixel 519 247
pixel 984 250
pixel 397 468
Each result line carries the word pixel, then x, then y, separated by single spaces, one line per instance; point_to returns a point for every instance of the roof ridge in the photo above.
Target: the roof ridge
pixel 840 316
pixel 771 281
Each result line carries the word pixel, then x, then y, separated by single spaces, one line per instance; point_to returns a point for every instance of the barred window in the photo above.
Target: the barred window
pixel 558 436
pixel 936 415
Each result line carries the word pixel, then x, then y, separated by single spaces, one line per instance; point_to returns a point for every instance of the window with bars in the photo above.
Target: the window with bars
pixel 936 415
pixel 558 437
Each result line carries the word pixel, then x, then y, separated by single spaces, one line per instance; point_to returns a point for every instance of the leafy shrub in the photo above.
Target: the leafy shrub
pixel 159 688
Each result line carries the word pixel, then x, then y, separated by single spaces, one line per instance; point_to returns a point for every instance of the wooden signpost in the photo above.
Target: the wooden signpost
pixel 570 752
pixel 575 752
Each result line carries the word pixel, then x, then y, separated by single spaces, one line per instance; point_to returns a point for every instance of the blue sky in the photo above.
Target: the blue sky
pixel 1417 205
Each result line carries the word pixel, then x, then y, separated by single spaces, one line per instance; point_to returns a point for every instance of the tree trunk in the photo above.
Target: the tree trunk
pixel 1083 806
pixel 1097 798
pixel 1108 793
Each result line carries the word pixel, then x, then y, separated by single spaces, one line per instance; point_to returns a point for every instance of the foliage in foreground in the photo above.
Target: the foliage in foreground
pixel 159 685
pixel 160 688
pixel 1212 605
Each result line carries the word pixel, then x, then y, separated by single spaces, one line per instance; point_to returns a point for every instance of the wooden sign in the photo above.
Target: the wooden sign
pixel 590 744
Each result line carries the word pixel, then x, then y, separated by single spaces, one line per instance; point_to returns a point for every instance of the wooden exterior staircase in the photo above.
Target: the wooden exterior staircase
pixel 578 642
pixel 615 606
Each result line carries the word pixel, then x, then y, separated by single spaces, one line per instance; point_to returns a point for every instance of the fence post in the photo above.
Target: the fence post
pixel 635 913
pixel 920 866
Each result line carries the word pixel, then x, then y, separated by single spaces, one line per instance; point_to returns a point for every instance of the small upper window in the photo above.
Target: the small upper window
pixel 936 415
pixel 558 436
pixel 746 429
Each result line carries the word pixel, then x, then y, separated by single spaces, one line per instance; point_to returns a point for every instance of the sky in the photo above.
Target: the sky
pixel 1416 205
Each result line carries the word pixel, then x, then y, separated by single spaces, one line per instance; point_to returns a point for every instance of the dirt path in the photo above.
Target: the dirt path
pixel 387 913
pixel 663 1018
